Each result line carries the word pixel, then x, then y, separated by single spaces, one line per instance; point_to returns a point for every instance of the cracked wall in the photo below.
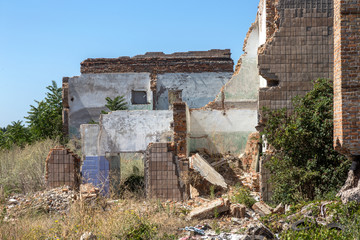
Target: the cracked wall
pixel 199 75
pixel 298 49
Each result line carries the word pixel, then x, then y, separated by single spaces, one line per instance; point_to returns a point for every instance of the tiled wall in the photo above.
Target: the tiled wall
pixel 95 170
pixel 163 173
pixel 62 168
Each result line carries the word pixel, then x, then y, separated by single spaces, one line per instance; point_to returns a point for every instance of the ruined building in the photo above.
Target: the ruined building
pixel 182 102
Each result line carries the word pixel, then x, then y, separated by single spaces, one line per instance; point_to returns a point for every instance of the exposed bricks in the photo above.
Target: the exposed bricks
pixel 197 61
pixel 62 168
pixel 164 173
pixel 347 76
pixel 180 129
pixel 299 51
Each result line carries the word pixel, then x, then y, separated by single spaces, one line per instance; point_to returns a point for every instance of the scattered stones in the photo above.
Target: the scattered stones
pixel 56 200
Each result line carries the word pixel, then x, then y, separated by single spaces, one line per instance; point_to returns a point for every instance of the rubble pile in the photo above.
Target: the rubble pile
pixel 56 200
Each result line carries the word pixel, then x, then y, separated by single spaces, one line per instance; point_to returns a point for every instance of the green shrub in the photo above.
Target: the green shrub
pixel 243 196
pixel 305 165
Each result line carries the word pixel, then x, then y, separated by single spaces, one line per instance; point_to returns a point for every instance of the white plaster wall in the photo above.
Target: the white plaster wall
pixel 262 22
pixel 235 120
pixel 133 130
pixel 87 94
pixel 262 33
pixel 198 88
pixel 89 137
pixel 220 133
pixel 245 84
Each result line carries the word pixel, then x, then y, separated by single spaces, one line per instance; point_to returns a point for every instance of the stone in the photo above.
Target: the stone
pixel 280 209
pixel 88 236
pixel 210 209
pixel 201 166
pixel 262 209
pixel 238 210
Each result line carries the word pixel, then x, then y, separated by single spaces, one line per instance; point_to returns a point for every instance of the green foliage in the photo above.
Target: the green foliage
pixel 243 196
pixel 16 134
pixel 140 229
pixel 45 119
pixel 305 165
pixel 319 233
pixel 118 103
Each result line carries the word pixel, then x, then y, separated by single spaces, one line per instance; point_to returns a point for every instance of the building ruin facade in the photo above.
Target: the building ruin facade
pixel 181 102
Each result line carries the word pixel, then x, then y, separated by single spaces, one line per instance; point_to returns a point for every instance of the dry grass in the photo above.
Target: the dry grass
pixel 22 169
pixel 127 219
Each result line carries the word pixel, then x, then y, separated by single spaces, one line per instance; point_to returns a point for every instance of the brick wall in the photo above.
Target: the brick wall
pixel 299 51
pixel 347 76
pixel 158 62
pixel 62 168
pixel 180 129
pixel 163 173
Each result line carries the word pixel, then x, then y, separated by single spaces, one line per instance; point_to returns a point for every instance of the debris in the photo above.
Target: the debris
pixel 210 209
pixel 238 210
pixel 88 236
pixel 280 209
pixel 262 208
pixel 88 191
pixel 201 166
pixel 260 230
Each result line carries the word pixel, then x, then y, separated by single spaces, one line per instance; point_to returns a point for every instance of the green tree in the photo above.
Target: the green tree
pixel 16 134
pixel 45 119
pixel 118 103
pixel 305 164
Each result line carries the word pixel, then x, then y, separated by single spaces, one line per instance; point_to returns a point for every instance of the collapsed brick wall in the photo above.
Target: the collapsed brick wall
pixel 180 129
pixel 164 173
pixel 299 51
pixel 62 168
pixel 347 76
pixel 158 62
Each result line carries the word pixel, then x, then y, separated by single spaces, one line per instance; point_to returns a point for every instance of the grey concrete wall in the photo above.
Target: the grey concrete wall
pixel 87 95
pixel 198 88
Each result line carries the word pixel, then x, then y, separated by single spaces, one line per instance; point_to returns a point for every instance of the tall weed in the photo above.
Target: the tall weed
pixel 22 170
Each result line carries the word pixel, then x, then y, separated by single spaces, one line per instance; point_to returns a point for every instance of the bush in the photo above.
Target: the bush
pixel 243 196
pixel 305 164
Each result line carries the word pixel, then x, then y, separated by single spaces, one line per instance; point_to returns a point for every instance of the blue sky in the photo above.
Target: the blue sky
pixel 45 40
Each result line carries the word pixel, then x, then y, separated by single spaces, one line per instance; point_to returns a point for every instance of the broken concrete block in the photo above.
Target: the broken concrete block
pixel 201 166
pixel 238 210
pixel 280 209
pixel 262 208
pixel 210 209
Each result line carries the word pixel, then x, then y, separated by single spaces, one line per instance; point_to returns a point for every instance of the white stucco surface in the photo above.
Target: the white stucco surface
pixel 87 94
pixel 132 131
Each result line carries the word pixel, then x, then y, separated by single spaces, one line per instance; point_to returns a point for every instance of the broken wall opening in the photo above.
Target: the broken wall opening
pixel 126 172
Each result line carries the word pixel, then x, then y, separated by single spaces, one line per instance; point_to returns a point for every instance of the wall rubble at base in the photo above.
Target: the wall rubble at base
pixel 62 168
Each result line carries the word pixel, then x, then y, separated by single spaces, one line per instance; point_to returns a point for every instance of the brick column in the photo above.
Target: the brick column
pixel 347 76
